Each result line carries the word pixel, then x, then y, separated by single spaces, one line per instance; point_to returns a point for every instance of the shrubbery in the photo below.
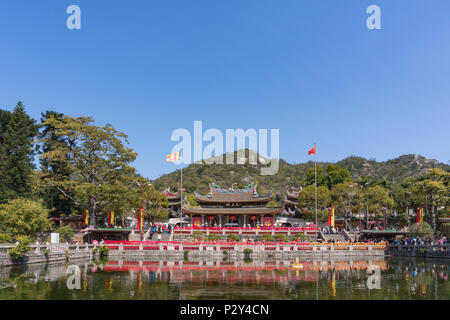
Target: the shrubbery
pixel 421 230
pixel 65 233
pixel 5 238
pixel 267 237
pixel 281 238
pixel 213 237
pixel 300 237
pixel 233 237
pixel 21 250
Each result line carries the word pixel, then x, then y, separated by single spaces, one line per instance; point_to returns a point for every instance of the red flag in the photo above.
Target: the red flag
pixel 312 151
pixel 329 217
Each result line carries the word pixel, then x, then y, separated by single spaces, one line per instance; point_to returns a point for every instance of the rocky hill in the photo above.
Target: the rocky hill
pixel 196 177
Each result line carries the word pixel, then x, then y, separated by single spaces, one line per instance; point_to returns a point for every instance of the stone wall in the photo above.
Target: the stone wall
pixel 37 254
pixel 423 251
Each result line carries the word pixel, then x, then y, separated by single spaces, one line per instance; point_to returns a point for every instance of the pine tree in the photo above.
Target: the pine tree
pixel 5 117
pixel 57 170
pixel 17 155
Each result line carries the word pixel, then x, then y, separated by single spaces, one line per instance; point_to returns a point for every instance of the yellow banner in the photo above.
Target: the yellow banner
pixel 332 217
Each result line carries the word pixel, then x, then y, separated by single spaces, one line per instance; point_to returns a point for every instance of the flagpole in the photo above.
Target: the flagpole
pixel 315 180
pixel 181 191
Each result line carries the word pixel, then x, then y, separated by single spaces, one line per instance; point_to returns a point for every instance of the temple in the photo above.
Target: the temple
pixel 291 201
pixel 174 199
pixel 222 207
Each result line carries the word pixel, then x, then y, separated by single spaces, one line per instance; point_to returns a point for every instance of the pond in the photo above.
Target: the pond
pixel 352 279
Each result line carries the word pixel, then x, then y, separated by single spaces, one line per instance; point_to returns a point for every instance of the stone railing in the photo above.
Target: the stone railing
pixel 47 252
pixel 211 246
pixel 245 231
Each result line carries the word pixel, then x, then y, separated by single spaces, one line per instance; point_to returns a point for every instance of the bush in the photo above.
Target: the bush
pixel 281 238
pixel 20 251
pixel 213 237
pixel 23 217
pixel 421 230
pixel 300 237
pixel 267 237
pixel 65 233
pixel 5 238
pixel 103 252
pixel 233 237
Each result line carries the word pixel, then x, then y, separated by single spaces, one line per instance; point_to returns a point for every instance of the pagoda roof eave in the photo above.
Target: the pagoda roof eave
pixel 232 197
pixel 234 211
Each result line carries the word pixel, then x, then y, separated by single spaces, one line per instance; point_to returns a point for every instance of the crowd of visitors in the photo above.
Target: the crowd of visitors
pixel 159 229
pixel 420 241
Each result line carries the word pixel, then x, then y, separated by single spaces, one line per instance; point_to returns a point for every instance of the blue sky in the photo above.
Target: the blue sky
pixel 310 68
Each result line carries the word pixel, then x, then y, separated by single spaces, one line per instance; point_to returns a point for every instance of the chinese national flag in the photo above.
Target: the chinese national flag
pixel 312 151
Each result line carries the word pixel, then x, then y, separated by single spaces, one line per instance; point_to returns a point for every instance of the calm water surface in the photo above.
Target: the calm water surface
pixel 399 278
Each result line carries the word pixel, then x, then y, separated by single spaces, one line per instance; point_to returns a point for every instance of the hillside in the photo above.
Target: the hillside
pixel 196 177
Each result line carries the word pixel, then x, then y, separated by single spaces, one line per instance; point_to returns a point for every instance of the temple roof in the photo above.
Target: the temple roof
pixel 248 194
pixel 171 195
pixel 293 195
pixel 233 197
pixel 238 211
pixel 289 202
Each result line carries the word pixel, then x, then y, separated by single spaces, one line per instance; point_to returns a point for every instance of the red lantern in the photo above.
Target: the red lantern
pixel 253 218
pixel 211 218
pixel 233 218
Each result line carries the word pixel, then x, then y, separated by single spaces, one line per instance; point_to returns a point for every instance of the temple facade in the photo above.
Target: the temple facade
pixel 221 207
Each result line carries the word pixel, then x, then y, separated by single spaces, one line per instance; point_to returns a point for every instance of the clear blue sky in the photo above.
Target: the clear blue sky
pixel 310 68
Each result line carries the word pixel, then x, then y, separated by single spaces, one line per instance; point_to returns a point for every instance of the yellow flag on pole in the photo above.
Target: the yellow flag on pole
pixel 173 157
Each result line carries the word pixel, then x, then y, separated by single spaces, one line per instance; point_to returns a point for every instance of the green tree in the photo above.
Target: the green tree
pixel 5 116
pixel 54 169
pixel 421 230
pixel 65 233
pixel 17 154
pixel 96 156
pixel 431 191
pixel 337 175
pixel 344 197
pixel 310 176
pixel 306 198
pixel 377 199
pixel 23 217
pixel 274 204
pixel 190 200
pixel 156 203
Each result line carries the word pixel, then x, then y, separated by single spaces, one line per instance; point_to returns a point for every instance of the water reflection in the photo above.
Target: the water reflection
pixel 399 278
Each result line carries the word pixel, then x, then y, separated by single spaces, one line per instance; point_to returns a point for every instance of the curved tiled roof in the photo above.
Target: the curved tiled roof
pixel 238 211
pixel 233 197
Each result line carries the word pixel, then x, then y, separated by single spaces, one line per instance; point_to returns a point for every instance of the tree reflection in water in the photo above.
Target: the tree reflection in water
pixel 400 278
